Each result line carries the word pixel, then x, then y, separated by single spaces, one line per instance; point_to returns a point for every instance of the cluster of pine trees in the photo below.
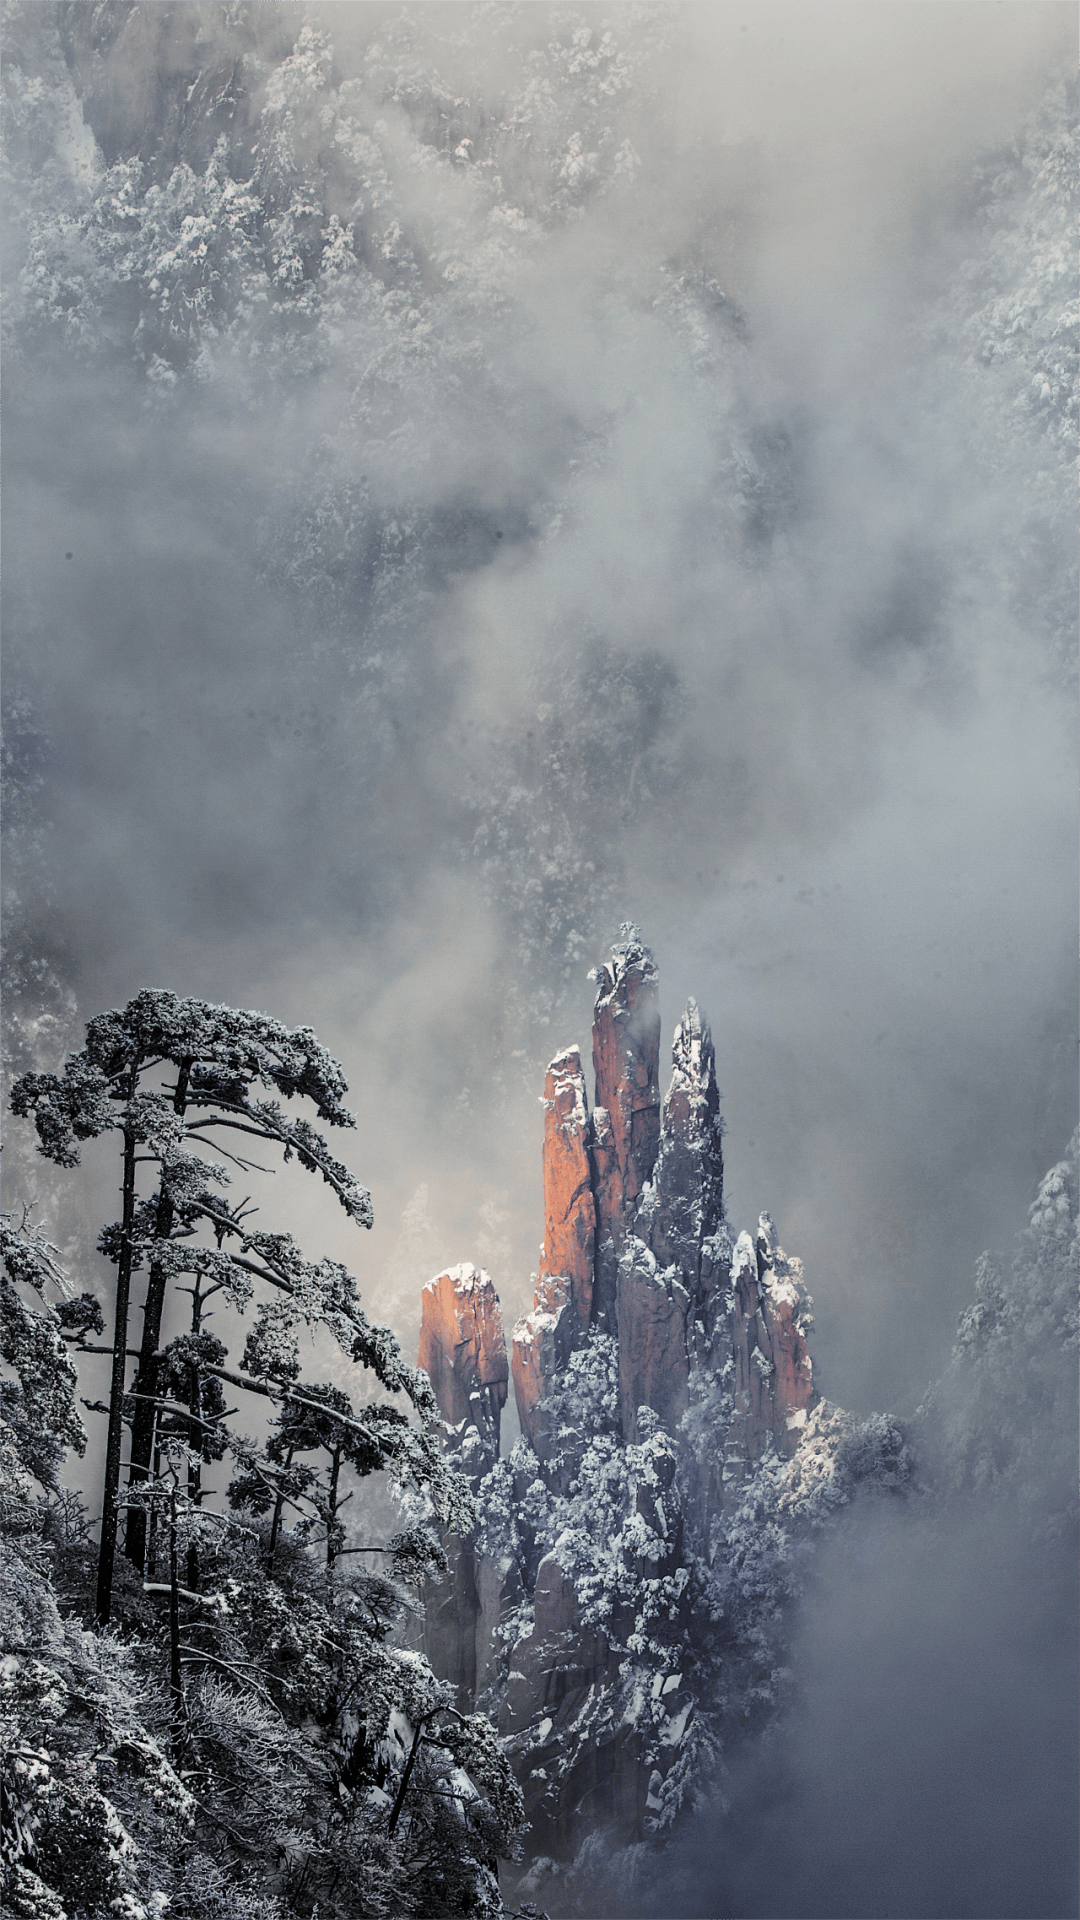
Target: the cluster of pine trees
pixel 215 1708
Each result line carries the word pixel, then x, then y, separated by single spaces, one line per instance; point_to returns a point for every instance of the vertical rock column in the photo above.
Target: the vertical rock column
pixel 569 1208
pixel 683 1203
pixel 767 1321
pixel 545 1338
pixel 785 1308
pixel 626 1119
pixel 463 1351
pixel 661 1290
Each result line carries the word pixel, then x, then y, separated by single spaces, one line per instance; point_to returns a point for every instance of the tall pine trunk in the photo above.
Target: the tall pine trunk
pixel 142 1426
pixel 279 1508
pixel 176 1683
pixel 195 1437
pixel 110 1497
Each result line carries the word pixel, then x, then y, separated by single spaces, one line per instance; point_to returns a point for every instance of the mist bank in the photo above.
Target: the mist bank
pixel 521 472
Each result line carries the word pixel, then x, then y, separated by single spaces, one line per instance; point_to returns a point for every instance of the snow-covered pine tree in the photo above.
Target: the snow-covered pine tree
pixel 166 1073
pixel 330 1763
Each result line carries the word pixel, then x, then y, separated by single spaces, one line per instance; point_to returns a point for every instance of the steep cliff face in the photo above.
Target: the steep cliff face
pixel 463 1350
pixel 618 1606
pixel 569 1208
pixel 682 1204
pixel 563 1301
pixel 661 1304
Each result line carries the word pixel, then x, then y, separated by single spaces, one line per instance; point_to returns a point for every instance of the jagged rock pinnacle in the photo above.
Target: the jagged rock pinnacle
pixel 559 1321
pixel 683 1203
pixel 626 1118
pixel 569 1208
pixel 643 1312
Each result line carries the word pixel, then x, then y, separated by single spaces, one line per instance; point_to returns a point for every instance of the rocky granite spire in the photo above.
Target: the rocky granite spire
pixel 760 1343
pixel 683 1203
pixel 670 1265
pixel 626 1118
pixel 577 1605
pixel 543 1342
pixel 463 1350
pixel 569 1208
pixel 559 1321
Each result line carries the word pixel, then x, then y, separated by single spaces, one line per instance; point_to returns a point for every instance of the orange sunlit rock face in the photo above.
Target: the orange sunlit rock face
pixel 569 1209
pixel 559 1321
pixel 462 1345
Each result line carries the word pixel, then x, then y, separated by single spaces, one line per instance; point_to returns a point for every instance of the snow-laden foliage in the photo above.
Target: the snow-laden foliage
pixel 91 1802
pixel 692 1600
pixel 315 1759
pixel 41 1405
pixel 1003 1416
pixel 218 1055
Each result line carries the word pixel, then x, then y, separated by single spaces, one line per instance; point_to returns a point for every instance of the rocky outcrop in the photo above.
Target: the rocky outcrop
pixel 644 1312
pixel 683 1203
pixel 559 1672
pixel 463 1350
pixel 626 1063
pixel 654 1363
pixel 761 1347
pixel 664 1294
pixel 543 1342
pixel 563 1297
pixel 635 1239
pixel 569 1208
pixel 787 1321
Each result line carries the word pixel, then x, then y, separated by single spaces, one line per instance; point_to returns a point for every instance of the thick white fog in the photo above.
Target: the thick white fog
pixel 660 518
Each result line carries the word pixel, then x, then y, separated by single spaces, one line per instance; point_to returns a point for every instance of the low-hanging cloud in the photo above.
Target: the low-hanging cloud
pixel 649 522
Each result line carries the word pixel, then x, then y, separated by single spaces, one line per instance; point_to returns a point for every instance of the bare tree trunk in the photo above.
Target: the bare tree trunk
pixel 395 1811
pixel 195 1435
